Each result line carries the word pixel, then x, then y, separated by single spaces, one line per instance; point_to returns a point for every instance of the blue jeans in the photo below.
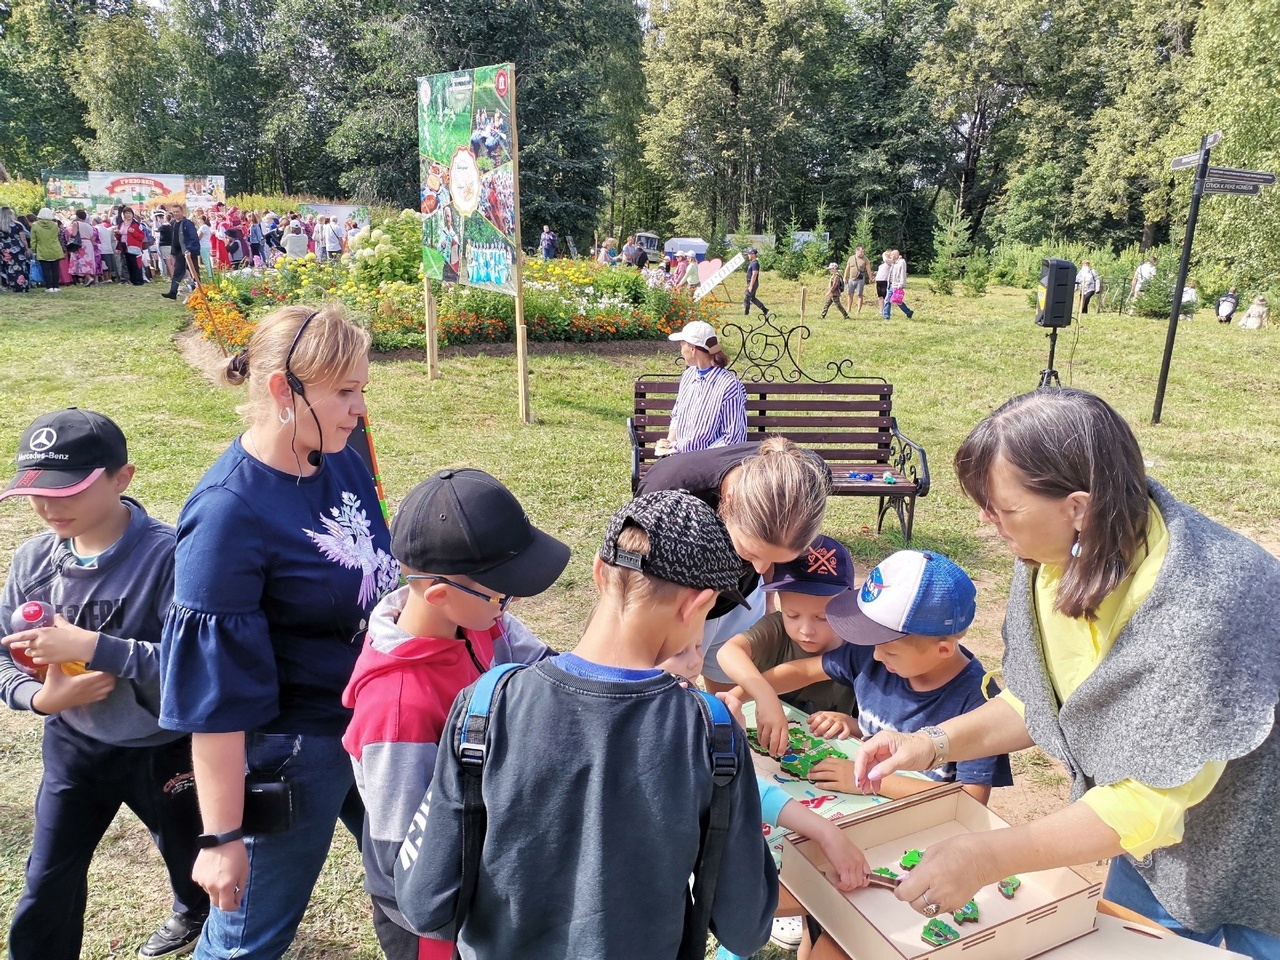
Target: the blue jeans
pixel 888 306
pixel 1126 887
pixel 283 867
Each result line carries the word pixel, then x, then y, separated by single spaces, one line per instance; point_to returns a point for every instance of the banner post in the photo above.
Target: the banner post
pixel 522 332
pixel 433 331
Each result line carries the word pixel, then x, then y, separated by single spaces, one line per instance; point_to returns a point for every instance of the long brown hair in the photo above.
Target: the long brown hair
pixel 779 495
pixel 1063 441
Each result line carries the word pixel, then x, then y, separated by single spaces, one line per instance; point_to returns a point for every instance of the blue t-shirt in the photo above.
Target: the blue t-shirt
pixel 274 581
pixel 887 702
pixel 753 275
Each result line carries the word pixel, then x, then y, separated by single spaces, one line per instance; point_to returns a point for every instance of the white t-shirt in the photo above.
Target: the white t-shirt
pixel 333 237
pixel 1144 273
pixel 106 235
pixel 882 271
pixel 295 244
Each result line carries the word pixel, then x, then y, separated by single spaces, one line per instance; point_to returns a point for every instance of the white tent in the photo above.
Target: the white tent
pixel 684 244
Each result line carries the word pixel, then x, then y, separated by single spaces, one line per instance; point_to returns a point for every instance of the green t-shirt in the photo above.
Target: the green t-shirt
pixel 770 646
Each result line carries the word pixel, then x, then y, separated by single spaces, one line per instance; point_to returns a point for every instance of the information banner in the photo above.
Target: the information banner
pixel 468 197
pixel 99 190
pixel 205 192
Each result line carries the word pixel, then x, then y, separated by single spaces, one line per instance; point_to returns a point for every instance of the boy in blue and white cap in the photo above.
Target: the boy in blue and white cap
pixel 902 657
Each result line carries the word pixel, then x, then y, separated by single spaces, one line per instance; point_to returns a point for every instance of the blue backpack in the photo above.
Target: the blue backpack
pixel 147 235
pixel 472 747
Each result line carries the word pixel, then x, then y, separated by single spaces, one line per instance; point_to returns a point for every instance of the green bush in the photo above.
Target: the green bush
pixel 23 196
pixel 977 272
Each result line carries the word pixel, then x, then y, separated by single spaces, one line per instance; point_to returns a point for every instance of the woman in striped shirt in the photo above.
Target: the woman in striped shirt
pixel 711 405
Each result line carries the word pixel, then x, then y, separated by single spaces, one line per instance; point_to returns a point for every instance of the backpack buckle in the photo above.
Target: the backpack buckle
pixel 471 756
pixel 724 767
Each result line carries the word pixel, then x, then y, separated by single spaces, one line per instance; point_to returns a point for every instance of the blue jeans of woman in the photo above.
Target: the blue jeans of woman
pixel 283 867
pixel 1126 887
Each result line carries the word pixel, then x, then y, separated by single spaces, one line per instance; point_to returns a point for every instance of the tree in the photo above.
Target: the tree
pixel 1230 87
pixel 950 245
pixel 1032 205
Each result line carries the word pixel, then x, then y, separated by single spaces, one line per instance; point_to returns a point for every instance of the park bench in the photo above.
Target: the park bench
pixel 847 420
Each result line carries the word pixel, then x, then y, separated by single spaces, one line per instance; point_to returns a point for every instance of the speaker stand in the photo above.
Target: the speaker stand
pixel 1049 376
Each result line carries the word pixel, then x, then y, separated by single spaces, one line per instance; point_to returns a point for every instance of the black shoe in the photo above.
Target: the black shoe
pixel 169 296
pixel 176 936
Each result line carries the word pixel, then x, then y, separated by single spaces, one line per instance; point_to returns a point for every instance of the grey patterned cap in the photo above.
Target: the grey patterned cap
pixel 688 543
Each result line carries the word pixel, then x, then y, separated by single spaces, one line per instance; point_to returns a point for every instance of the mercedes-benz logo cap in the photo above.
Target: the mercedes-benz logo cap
pixel 466 522
pixel 63 452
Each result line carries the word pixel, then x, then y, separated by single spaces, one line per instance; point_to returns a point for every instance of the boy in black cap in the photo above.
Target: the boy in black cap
pixel 597 776
pixel 106 568
pixel 467 550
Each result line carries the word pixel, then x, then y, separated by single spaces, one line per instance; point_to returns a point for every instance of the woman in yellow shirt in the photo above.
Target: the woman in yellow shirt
pixel 1142 650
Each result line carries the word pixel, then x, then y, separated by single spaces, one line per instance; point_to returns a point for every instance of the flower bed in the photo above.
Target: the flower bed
pixel 379 282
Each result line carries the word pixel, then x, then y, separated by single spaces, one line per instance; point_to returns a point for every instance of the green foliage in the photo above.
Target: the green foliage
pixel 790 263
pixel 24 196
pixel 977 274
pixel 1032 204
pixel 387 251
pixel 817 251
pixel 950 245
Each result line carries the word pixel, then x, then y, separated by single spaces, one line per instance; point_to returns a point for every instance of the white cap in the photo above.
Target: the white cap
pixel 697 332
pixel 833 266
pixel 909 592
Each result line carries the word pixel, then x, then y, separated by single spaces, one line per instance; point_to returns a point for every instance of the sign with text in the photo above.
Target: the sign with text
pixel 717 278
pixel 1242 176
pixel 1184 161
pixel 1233 187
pixel 468 190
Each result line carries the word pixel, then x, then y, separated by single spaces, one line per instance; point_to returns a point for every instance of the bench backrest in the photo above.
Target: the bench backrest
pixel 848 422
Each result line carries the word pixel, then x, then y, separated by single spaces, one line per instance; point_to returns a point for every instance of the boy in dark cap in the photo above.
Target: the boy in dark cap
pixel 106 568
pixel 597 776
pixel 467 550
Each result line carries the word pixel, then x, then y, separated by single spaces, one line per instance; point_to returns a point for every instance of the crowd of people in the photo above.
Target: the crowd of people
pixel 295 662
pixel 137 245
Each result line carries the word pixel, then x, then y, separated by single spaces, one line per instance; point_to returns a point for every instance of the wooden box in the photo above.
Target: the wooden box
pixel 1051 907
pixel 1118 940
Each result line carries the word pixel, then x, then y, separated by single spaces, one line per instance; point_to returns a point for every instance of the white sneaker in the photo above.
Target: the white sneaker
pixel 787 932
pixel 50 289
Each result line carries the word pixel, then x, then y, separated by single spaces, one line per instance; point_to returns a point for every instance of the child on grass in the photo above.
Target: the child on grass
pixel 466 549
pixel 106 568
pixel 902 657
pixel 796 631
pixel 597 777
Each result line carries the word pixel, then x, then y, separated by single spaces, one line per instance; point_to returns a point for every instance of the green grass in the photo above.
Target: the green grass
pixel 114 350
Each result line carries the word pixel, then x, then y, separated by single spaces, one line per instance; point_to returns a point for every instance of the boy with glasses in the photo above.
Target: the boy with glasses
pixel 467 550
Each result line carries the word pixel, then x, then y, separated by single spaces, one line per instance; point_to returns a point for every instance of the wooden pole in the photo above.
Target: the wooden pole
pixel 433 331
pixel 522 333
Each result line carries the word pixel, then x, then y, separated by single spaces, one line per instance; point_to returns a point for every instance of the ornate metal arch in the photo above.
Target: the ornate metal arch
pixel 766 353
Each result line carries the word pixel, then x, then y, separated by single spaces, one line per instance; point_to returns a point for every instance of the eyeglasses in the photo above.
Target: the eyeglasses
pixel 503 601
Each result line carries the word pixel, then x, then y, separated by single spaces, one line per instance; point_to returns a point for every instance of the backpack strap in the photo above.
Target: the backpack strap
pixel 471 749
pixel 724 767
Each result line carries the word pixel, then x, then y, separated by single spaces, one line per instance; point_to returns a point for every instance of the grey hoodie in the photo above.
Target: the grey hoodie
pixel 124 596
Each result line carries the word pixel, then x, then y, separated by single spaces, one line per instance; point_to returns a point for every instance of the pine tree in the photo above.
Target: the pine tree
pixel 950 244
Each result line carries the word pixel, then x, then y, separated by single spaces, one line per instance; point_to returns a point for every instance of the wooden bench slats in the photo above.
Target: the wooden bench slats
pixel 850 424
pixel 645 387
pixel 834 407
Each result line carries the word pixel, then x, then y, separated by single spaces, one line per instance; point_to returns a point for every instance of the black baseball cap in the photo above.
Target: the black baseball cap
pixel 466 522
pixel 823 570
pixel 62 453
pixel 688 543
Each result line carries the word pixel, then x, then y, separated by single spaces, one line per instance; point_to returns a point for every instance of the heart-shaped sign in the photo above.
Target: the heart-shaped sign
pixel 707 268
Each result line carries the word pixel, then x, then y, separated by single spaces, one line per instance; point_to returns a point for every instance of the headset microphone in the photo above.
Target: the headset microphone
pixel 315 457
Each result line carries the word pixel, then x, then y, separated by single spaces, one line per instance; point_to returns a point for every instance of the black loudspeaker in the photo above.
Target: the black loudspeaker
pixel 1055 293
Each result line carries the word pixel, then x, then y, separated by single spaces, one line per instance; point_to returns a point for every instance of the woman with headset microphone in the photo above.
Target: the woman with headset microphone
pixel 282 552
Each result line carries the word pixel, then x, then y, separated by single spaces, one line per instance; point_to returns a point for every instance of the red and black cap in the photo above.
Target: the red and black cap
pixel 63 452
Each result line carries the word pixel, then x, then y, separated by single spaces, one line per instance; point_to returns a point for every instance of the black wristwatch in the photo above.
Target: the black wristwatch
pixel 207 841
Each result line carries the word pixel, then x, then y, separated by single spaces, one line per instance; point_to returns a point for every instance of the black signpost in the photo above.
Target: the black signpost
pixel 1242 183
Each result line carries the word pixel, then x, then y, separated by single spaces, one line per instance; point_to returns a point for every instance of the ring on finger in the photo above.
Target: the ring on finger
pixel 931 909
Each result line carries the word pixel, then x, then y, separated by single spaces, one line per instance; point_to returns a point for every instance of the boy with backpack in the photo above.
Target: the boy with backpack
pixel 106 568
pixel 597 772
pixel 466 549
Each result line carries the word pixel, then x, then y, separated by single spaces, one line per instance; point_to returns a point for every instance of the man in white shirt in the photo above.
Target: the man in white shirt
pixel 1142 276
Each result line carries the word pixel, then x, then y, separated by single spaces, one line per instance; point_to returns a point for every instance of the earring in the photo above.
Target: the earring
pixel 285 415
pixel 1075 547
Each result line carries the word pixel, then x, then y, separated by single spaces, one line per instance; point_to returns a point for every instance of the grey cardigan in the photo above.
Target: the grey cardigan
pixel 1194 677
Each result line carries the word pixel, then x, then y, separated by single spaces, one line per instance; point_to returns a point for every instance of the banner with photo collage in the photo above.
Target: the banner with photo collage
pixel 470 232
pixel 99 190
